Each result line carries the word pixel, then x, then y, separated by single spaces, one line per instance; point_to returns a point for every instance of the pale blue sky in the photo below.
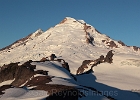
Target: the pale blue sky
pixel 119 19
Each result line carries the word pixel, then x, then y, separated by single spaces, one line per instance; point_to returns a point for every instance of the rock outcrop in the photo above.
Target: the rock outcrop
pixel 136 48
pixel 109 43
pixel 52 58
pixel 23 41
pixel 120 42
pixel 84 65
pixel 112 44
pixel 109 56
pixel 8 72
pixel 89 39
pixel 65 19
pixel 4 87
pixel 89 64
pixel 43 59
pixel 20 74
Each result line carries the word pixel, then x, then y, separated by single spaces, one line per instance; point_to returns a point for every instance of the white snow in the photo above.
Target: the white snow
pixel 67 41
pixel 24 94
pixel 60 75
pixel 82 21
pixel 54 68
pixel 8 82
pixel 101 83
pixel 63 81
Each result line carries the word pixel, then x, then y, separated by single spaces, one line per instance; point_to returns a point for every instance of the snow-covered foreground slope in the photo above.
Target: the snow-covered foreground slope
pixel 93 85
pixel 74 41
pixel 123 76
pixel 60 78
pixel 24 94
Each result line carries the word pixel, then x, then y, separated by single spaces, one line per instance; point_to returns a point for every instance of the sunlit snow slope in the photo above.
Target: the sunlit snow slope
pixel 76 41
pixel 67 40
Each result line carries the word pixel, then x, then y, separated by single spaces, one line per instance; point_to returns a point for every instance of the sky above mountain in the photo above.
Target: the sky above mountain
pixel 119 19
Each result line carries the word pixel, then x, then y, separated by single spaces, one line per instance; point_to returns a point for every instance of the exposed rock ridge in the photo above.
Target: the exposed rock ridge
pixel 24 40
pixel 89 64
pixel 89 38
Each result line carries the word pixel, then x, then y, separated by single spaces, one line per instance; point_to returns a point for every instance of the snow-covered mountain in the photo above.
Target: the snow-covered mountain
pixel 75 41
pixel 70 39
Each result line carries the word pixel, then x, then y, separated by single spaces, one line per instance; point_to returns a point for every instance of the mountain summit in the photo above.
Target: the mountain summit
pixel 71 38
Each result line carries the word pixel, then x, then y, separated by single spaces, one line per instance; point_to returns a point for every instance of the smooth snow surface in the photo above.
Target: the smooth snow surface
pixel 6 82
pixel 54 68
pixel 24 94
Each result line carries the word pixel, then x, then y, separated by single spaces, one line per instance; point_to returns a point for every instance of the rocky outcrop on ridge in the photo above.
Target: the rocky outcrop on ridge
pixel 108 57
pixel 89 64
pixel 23 41
pixel 53 57
pixel 20 74
pixel 63 21
pixel 136 48
pixel 123 44
pixel 110 44
pixel 89 39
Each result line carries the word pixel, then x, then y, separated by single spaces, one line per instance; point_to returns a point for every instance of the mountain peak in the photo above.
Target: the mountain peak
pixel 73 20
pixel 52 59
pixel 82 21
pixel 70 37
pixel 68 20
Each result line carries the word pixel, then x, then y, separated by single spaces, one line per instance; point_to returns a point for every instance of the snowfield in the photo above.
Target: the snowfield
pixel 23 94
pixel 67 40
